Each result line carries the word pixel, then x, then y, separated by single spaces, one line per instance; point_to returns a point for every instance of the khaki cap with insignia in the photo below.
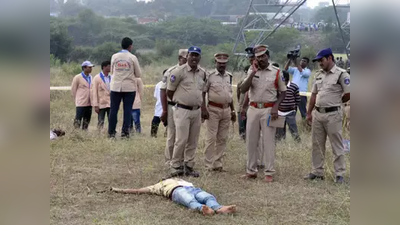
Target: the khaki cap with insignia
pixel 183 53
pixel 221 57
pixel 260 50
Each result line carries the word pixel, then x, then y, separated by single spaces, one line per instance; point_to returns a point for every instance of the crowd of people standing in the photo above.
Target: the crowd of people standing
pixel 188 95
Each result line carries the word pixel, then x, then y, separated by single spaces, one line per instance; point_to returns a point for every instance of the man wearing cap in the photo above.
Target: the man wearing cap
pixel 220 112
pixel 244 105
pixel 263 84
pixel 185 87
pixel 125 69
pixel 330 90
pixel 101 93
pixel 167 116
pixel 81 91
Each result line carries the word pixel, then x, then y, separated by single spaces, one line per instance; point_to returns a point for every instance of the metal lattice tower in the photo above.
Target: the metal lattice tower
pixel 344 27
pixel 264 17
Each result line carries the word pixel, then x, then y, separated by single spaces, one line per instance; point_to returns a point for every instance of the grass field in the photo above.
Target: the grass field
pixel 82 163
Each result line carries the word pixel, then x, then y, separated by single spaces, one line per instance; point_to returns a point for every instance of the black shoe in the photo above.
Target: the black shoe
pixel 312 176
pixel 189 171
pixel 125 135
pixel 176 172
pixel 339 180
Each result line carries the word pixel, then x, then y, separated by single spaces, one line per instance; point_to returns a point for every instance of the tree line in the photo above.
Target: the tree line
pixel 92 36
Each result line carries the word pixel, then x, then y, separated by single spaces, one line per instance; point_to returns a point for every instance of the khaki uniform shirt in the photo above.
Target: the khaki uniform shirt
pixel 124 68
pixel 81 91
pixel 330 86
pixel 165 78
pixel 263 89
pixel 188 85
pixel 165 187
pixel 137 104
pixel 219 87
pixel 101 94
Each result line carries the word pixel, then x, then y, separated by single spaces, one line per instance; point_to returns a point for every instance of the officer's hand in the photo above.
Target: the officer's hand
pixel 254 66
pixel 204 114
pixel 164 116
pixel 233 116
pixel 97 109
pixel 274 113
pixel 309 118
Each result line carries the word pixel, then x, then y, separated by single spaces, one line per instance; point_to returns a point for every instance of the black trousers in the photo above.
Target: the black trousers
pixel 82 117
pixel 102 116
pixel 154 125
pixel 127 98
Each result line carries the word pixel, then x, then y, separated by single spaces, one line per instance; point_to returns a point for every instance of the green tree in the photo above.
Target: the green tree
pixel 60 41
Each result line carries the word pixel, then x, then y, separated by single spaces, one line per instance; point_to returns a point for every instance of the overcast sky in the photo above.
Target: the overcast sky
pixel 310 3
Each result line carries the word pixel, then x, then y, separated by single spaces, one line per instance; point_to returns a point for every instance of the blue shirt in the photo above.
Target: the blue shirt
pixel 300 78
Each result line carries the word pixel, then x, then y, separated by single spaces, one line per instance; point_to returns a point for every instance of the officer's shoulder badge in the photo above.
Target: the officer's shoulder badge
pixel 347 81
pixel 173 78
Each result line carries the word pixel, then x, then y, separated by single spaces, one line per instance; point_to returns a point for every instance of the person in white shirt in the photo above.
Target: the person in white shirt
pixel 157 111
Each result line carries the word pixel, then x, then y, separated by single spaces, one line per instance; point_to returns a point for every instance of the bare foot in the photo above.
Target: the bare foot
pixel 207 211
pixel 227 209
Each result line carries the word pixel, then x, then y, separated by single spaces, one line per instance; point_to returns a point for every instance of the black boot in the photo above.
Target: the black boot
pixel 189 171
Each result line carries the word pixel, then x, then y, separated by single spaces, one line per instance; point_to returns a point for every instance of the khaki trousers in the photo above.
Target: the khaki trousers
pixel 187 130
pixel 169 148
pixel 217 136
pixel 260 151
pixel 257 125
pixel 323 125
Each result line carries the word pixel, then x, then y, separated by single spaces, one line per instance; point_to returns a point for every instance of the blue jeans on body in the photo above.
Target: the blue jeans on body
pixel 303 106
pixel 194 198
pixel 136 121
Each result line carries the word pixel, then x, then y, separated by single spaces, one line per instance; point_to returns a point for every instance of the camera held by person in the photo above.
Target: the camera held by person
pixel 294 54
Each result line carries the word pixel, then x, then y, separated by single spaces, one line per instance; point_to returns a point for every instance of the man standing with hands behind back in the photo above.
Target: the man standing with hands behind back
pixel 262 84
pixel 125 69
pixel 301 75
pixel 101 93
pixel 220 112
pixel 81 91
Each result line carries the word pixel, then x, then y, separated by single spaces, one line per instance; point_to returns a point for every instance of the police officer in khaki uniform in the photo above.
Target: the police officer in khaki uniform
pixel 263 84
pixel 167 115
pixel 220 112
pixel 330 90
pixel 185 87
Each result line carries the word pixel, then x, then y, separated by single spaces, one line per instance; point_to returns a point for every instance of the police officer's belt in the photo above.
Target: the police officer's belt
pixel 171 103
pixel 327 110
pixel 222 106
pixel 262 105
pixel 187 107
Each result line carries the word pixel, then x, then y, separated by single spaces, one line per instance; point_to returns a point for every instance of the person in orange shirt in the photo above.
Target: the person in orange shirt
pixel 101 93
pixel 81 91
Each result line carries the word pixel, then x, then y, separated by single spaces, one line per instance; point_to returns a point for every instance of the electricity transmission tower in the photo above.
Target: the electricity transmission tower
pixel 264 17
pixel 345 27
